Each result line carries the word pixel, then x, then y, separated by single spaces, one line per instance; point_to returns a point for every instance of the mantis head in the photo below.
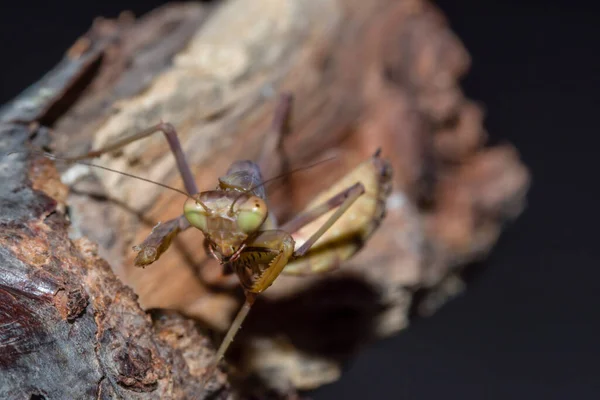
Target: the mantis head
pixel 226 218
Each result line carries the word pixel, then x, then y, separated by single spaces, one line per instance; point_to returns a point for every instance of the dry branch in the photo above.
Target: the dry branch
pixel 365 75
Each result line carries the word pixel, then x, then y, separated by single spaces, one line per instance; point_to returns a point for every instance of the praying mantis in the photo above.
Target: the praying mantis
pixel 241 234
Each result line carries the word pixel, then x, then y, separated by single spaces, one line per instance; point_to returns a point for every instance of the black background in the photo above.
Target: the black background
pixel 527 325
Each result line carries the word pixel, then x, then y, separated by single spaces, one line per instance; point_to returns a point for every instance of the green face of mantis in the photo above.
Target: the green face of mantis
pixel 226 218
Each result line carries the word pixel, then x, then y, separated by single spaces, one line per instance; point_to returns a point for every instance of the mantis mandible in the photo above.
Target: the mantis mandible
pixel 238 229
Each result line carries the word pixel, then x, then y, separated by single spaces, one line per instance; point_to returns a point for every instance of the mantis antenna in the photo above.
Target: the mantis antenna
pixel 67 160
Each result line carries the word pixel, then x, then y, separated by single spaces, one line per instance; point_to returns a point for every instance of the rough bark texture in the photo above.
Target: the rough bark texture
pixel 68 327
pixel 365 75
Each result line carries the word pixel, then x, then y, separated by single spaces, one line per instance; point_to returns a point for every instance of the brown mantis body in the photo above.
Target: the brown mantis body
pixel 241 234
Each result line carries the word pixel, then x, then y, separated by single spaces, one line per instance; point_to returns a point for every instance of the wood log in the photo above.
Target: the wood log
pixel 364 75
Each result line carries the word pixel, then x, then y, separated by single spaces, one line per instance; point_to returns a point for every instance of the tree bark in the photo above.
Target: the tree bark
pixel 364 75
pixel 68 327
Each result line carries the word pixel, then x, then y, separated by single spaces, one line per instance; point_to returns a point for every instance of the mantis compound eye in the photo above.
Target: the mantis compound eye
pixel 251 214
pixel 195 213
